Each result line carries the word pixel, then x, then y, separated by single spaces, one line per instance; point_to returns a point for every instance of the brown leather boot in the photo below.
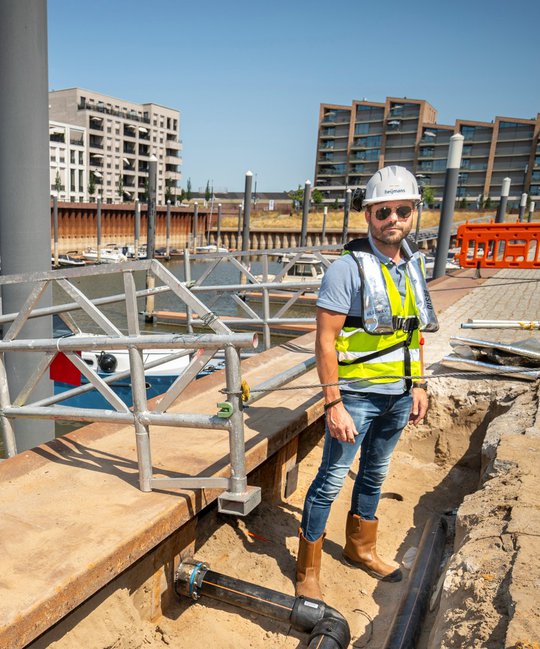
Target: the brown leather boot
pixel 360 549
pixel 308 567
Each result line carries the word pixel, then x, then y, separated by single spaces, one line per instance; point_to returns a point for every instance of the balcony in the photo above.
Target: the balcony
pixel 101 108
pixel 95 123
pixel 129 148
pixel 96 142
pixel 130 131
pixel 144 150
pixel 144 133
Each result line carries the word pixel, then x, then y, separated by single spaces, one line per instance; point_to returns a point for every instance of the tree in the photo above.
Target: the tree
pixel 91 184
pixel 207 192
pixel 188 189
pixel 487 203
pixel 428 196
pixel 297 197
pixel 120 186
pixel 58 183
pixel 169 196
pixel 317 198
pixel 463 203
pixel 182 195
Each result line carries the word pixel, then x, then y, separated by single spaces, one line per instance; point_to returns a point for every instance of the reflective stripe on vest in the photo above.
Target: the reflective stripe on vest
pixel 353 343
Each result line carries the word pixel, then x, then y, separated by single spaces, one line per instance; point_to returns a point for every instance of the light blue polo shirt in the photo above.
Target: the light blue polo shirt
pixel 341 292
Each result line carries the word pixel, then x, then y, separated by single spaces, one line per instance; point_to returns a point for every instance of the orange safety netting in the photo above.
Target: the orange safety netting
pixel 499 245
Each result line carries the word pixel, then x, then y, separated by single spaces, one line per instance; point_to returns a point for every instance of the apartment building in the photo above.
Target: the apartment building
pixel 121 137
pixel 354 141
pixel 68 161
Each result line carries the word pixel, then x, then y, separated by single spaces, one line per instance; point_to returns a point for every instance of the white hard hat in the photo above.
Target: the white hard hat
pixel 391 184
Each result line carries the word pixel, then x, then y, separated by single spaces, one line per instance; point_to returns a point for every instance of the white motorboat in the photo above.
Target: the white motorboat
pixel 113 362
pixel 68 260
pixel 305 268
pixel 211 248
pixel 110 254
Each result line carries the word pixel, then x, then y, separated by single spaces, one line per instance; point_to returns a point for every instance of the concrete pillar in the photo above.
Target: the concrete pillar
pixel 448 204
pixel 305 213
pixel 247 212
pixel 531 211
pixel 25 219
pixel 505 192
pixel 522 207
pixel 346 212
pixel 323 233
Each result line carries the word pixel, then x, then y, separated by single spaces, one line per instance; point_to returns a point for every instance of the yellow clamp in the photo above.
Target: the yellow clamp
pixel 245 390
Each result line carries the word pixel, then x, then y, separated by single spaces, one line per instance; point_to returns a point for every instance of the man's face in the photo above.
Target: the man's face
pixel 388 222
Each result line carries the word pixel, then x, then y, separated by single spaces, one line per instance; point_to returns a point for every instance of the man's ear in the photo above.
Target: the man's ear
pixel 367 215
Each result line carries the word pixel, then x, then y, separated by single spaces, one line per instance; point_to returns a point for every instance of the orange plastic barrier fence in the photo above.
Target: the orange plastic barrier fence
pixel 499 245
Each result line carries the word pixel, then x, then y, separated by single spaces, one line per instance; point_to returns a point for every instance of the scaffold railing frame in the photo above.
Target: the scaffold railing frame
pixel 237 498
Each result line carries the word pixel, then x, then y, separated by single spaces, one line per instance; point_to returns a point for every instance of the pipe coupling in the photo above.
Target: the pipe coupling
pixel 189 577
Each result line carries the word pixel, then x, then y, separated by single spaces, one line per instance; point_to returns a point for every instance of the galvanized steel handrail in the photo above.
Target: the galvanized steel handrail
pixel 238 497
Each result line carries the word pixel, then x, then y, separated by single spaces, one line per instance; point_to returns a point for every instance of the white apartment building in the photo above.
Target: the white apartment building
pixel 121 137
pixel 68 162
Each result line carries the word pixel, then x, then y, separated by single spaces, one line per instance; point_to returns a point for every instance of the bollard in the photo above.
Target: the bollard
pixel 137 227
pixel 531 212
pixel 305 213
pixel 168 231
pixel 419 215
pixel 522 207
pixel 448 204
pixel 346 211
pixel 239 230
pixel 195 225
pixel 323 233
pixel 505 192
pixel 151 234
pixel 247 212
pixel 98 228
pixel 218 233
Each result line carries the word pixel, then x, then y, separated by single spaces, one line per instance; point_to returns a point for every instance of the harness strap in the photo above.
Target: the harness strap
pixel 398 322
pixel 376 354
pixel 381 352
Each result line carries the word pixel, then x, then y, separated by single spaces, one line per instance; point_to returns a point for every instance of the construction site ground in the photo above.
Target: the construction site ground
pixel 476 453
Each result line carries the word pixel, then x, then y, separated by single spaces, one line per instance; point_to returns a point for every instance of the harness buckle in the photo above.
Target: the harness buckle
pixel 405 324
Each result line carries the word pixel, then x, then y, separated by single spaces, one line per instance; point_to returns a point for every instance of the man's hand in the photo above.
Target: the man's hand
pixel 419 405
pixel 340 424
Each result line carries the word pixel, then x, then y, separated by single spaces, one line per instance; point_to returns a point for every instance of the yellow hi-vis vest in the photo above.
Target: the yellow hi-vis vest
pixel 363 355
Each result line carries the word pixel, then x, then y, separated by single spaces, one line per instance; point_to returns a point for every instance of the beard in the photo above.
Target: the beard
pixel 391 235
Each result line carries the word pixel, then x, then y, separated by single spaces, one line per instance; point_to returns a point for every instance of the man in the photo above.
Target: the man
pixel 372 304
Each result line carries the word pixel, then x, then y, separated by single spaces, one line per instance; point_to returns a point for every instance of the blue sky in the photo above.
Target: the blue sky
pixel 248 77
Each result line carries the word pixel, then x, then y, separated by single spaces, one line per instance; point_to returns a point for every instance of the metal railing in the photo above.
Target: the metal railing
pixel 238 498
pixel 293 291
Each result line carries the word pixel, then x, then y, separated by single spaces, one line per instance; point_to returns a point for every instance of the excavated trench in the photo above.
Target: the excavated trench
pixel 445 466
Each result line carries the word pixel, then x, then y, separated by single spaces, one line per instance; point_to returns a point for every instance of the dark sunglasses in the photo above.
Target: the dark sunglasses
pixel 402 211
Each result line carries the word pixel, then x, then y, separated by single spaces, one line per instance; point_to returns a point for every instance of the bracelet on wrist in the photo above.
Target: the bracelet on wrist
pixel 327 406
pixel 422 385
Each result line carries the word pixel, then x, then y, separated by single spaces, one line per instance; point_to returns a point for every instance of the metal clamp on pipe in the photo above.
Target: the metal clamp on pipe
pixel 189 577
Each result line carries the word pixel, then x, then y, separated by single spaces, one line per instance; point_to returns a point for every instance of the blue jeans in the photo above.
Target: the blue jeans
pixel 379 420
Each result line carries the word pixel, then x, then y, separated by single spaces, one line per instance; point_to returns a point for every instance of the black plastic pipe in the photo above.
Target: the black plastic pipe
pixel 405 626
pixel 328 629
